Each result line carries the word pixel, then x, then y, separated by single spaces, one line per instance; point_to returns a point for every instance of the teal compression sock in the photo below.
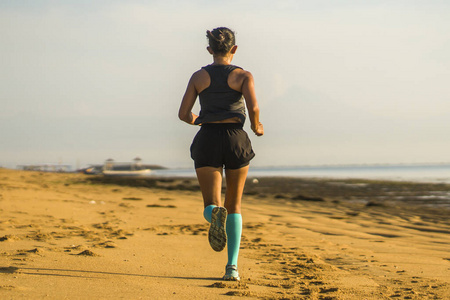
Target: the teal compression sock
pixel 207 212
pixel 234 232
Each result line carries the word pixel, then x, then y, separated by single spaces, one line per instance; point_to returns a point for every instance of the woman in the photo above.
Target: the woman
pixel 221 142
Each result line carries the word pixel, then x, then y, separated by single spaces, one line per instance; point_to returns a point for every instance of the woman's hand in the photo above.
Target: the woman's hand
pixel 259 131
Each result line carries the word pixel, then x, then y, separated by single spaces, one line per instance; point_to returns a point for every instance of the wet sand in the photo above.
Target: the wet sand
pixel 72 236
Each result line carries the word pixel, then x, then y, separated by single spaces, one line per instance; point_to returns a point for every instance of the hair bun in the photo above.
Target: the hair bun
pixel 221 40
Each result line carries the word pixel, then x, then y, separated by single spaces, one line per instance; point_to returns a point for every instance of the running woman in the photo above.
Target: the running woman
pixel 221 143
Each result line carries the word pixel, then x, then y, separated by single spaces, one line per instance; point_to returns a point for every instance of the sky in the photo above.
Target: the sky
pixel 338 82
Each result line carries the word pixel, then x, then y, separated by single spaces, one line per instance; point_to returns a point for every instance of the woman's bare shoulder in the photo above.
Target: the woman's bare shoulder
pixel 200 79
pixel 239 76
pixel 199 74
pixel 242 74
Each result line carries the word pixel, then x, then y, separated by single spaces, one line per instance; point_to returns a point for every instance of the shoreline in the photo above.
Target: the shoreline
pixel 383 192
pixel 420 173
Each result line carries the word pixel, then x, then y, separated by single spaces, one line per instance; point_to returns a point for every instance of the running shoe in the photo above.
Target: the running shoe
pixel 231 273
pixel 217 235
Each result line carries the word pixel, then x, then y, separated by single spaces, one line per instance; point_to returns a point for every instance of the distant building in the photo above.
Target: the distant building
pixel 111 165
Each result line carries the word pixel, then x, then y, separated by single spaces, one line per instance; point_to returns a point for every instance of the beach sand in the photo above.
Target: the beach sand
pixel 73 236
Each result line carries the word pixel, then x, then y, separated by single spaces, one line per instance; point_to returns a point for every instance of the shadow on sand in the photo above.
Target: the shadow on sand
pixel 89 274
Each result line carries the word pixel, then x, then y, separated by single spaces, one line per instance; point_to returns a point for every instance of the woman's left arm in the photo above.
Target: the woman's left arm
pixel 248 90
pixel 185 113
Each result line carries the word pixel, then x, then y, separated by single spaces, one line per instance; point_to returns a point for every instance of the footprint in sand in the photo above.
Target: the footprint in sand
pixel 88 253
pixel 257 240
pixel 220 285
pixel 38 251
pixel 73 248
pixel 107 244
pixel 9 238
pixel 163 206
pixel 240 293
pixel 9 270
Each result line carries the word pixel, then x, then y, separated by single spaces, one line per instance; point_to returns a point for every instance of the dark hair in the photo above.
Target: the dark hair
pixel 221 40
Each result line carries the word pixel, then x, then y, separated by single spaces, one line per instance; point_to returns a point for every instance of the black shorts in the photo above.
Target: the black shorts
pixel 221 144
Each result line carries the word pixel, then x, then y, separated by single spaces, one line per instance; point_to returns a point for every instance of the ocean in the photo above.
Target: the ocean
pixel 434 173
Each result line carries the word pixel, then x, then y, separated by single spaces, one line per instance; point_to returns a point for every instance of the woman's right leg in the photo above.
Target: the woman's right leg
pixel 210 180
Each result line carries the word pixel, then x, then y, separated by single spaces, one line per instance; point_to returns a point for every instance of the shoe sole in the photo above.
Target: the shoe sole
pixel 231 278
pixel 217 235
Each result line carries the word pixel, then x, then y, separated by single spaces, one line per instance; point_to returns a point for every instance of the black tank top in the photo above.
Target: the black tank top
pixel 219 101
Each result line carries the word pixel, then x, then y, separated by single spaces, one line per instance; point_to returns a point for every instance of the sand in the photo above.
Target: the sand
pixel 73 236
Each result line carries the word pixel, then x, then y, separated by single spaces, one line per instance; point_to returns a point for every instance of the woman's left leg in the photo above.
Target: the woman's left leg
pixel 235 187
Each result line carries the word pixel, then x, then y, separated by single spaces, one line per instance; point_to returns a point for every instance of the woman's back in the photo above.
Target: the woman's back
pixel 218 100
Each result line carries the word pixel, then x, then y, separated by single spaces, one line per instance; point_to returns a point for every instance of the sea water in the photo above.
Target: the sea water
pixel 435 173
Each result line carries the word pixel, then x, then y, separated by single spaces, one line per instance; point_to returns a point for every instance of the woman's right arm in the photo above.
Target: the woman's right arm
pixel 185 112
pixel 248 90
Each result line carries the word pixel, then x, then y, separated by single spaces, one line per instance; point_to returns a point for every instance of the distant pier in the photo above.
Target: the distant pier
pixel 45 167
